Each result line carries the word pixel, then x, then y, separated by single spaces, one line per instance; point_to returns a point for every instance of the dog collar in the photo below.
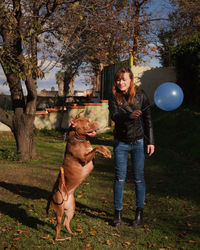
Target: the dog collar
pixel 75 139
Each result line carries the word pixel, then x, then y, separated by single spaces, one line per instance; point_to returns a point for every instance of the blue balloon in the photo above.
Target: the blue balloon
pixel 168 96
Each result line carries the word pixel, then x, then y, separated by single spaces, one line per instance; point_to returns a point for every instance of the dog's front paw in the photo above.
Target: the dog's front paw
pixel 104 151
pixel 107 153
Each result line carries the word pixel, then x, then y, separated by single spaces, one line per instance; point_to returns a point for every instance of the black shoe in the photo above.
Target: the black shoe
pixel 117 218
pixel 138 222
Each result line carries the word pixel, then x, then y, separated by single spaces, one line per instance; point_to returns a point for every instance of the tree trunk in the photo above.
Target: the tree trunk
pixel 23 130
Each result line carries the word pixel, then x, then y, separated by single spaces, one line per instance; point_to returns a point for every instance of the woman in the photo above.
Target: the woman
pixel 130 110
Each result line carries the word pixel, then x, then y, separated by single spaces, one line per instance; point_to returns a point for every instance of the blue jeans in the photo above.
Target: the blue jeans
pixel 121 151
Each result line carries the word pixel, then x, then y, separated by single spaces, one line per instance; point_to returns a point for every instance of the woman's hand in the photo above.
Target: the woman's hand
pixel 135 114
pixel 150 149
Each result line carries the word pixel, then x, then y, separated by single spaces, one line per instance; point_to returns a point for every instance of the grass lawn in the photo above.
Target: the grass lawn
pixel 172 214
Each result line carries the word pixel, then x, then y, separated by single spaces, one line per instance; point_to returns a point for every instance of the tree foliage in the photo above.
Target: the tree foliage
pixel 187 62
pixel 37 35
pixel 116 30
pixel 180 47
pixel 34 33
pixel 183 23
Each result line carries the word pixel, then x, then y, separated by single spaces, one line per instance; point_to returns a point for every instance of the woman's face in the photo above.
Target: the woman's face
pixel 123 83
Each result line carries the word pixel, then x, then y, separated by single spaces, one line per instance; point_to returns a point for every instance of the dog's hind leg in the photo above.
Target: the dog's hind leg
pixel 59 210
pixel 58 207
pixel 69 208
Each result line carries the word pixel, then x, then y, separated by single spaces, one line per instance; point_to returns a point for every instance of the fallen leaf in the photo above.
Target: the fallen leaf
pixel 182 234
pixel 126 243
pixel 28 236
pixel 17 238
pixel 190 241
pixel 95 213
pixel 188 215
pixel 93 233
pixel 108 242
pixel 16 234
pixel 117 235
pixel 169 246
pixel 189 225
pixel 125 204
pixel 150 245
pixel 20 231
pixel 44 237
pixel 88 245
pixel 80 231
pixel 3 230
pixel 188 209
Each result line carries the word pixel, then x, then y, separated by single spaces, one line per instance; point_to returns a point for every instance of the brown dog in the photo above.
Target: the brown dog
pixel 76 167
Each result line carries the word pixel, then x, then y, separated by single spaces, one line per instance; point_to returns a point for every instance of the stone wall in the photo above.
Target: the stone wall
pixel 56 119
pixel 52 118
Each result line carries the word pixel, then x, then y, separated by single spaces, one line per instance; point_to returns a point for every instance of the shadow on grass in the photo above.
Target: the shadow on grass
pixel 14 211
pixel 174 177
pixel 99 214
pixel 93 212
pixel 26 191
pixel 20 214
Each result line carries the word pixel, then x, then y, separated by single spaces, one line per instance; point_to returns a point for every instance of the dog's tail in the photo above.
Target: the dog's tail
pixel 55 187
pixel 63 181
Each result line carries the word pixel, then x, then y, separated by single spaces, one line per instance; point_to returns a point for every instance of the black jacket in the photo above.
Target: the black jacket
pixel 130 130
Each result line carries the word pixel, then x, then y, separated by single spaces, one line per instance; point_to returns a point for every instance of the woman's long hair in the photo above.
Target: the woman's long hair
pixel 132 89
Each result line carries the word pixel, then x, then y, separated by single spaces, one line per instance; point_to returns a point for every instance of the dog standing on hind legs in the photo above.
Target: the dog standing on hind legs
pixel 77 165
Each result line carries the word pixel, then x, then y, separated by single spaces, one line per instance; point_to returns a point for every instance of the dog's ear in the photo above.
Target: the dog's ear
pixel 73 122
pixel 78 115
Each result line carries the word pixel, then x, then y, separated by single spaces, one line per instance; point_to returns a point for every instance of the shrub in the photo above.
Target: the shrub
pixel 187 63
pixel 8 154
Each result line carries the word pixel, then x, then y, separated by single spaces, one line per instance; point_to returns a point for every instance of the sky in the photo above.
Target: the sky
pixel 158 7
pixel 49 80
